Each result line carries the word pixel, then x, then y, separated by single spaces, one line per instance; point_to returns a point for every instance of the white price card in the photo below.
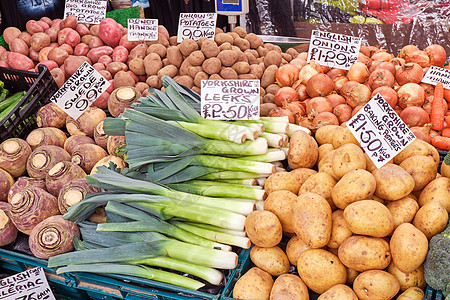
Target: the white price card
pixel 380 131
pixel 86 11
pixel 196 25
pixel 333 49
pixel 435 75
pixel 27 285
pixel 142 29
pixel 80 90
pixel 230 99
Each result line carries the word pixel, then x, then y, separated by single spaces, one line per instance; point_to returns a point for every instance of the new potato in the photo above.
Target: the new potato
pixel 376 285
pixel 289 286
pixel 270 259
pixel 354 186
pixel 415 278
pixel 339 292
pixel 431 219
pixel 280 203
pixel 347 158
pixel 294 248
pixel 340 230
pixel 255 284
pixel 393 182
pixel 263 228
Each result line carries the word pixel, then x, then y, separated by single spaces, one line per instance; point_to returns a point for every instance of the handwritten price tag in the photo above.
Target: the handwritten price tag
pixel 196 25
pixel 80 90
pixel 28 285
pixel 333 50
pixel 380 131
pixel 230 99
pixel 86 11
pixel 142 29
pixel 435 75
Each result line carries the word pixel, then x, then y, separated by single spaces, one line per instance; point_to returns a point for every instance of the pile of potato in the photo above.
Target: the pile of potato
pixel 353 231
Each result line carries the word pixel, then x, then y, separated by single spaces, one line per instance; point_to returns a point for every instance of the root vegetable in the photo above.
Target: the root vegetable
pixel 110 32
pixel 43 158
pixel 437 55
pixel 86 123
pixel 30 206
pixel 24 182
pixel 19 61
pixel 355 93
pixel 53 236
pixel 73 192
pixel 319 85
pixel 335 99
pixel 339 82
pixel 343 112
pixel 409 73
pixel 358 72
pixel 388 93
pixel 106 161
pixel 286 94
pixel 114 144
pixel 318 105
pixel 410 94
pixel 61 173
pixel 6 181
pixel 75 140
pixel 415 116
pixel 8 231
pixel 324 118
pixel 306 73
pixel 287 75
pixel 14 153
pixel 46 136
pixel 281 112
pixel 87 155
pixel 120 99
pixel 422 133
pixel 381 77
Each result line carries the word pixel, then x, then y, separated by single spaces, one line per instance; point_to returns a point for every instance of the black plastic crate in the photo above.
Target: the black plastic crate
pixel 40 86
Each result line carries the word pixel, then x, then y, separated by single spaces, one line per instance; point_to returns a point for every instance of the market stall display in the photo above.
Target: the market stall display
pixel 181 184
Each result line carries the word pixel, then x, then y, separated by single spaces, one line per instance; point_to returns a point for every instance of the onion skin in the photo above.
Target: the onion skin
pixel 409 73
pixel 319 85
pixel 388 94
pixel 358 72
pixel 301 91
pixel 8 232
pixel 24 182
pixel 343 112
pixel 437 55
pixel 381 77
pixel 318 105
pixel 364 50
pixel 6 181
pixel 355 93
pixel 54 227
pixel 336 72
pixel 87 155
pixel 281 112
pixel 14 153
pixel 306 73
pixel 415 116
pixel 364 59
pixel 78 185
pixel 339 82
pixel 410 94
pixel 422 133
pixel 287 74
pixel 335 99
pixel 119 162
pixel 325 118
pixel 30 206
pixel 406 50
pixel 60 174
pixel 387 65
pixel 50 115
pixel 286 94
pixel 75 140
pixel 381 55
pixel 86 123
pixel 296 107
pixel 43 158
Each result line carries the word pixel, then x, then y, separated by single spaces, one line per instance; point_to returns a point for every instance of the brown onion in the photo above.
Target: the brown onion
pixel 301 91
pixel 387 65
pixel 358 72
pixel 303 121
pixel 299 63
pixel 282 112
pixel 306 73
pixel 398 110
pixel 336 72
pixel 382 55
pixel 364 50
pixel 414 116
pixel 427 105
pixel 325 118
pixel 303 56
pixel 373 49
pixel 296 107
pixel 381 77
pixel 318 105
pixel 434 133
pixel 287 74
pixel 335 99
pixel 388 93
pixel 437 55
pixel 286 94
pixel 355 93
pixel 339 81
pixel 397 61
pixel 364 59
pixel 343 112
pixel 410 94
pixel 406 50
pixel 429 90
pixel 319 85
pixel 419 57
pixel 410 72
pixel 423 133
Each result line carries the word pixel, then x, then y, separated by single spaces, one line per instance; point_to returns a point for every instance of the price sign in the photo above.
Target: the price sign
pixel 196 25
pixel 80 90
pixel 435 75
pixel 333 49
pixel 230 99
pixel 142 29
pixel 380 131
pixel 28 285
pixel 86 11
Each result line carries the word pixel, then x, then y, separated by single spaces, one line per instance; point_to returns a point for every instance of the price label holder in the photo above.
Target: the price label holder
pixel 142 29
pixel 86 11
pixel 230 99
pixel 380 131
pixel 80 90
pixel 333 49
pixel 196 25
pixel 27 285
pixel 435 75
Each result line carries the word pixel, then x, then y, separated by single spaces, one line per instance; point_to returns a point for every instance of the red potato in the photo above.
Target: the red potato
pixel 73 38
pixel 120 53
pixel 67 47
pixel 86 38
pixel 56 23
pixel 82 29
pixel 54 45
pixel 72 63
pixel 19 61
pixel 110 32
pixel 4 55
pixel 93 30
pixel 52 32
pixel 43 54
pixel 58 76
pixel 39 40
pixel 2 49
pixel 105 59
pixel 133 75
pixel 127 44
pixel 111 87
pixel 4 64
pixel 10 33
pixel 140 51
pixel 43 24
pixel 62 35
pixel 69 22
pixel 58 55
pixel 25 36
pixel 33 27
pixel 99 66
pixel 47 20
pixel 81 49
pixel 33 55
pixel 19 46
pixel 105 74
pixel 95 42
pixel 102 101
pixel 163 31
pixel 49 63
pixel 95 54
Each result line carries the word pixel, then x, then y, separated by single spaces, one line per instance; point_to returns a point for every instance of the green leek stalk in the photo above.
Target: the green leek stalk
pixel 224 183
pixel 138 271
pixel 231 175
pixel 271 156
pixel 273 139
pixel 246 182
pixel 295 127
pixel 220 237
pixel 219 229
